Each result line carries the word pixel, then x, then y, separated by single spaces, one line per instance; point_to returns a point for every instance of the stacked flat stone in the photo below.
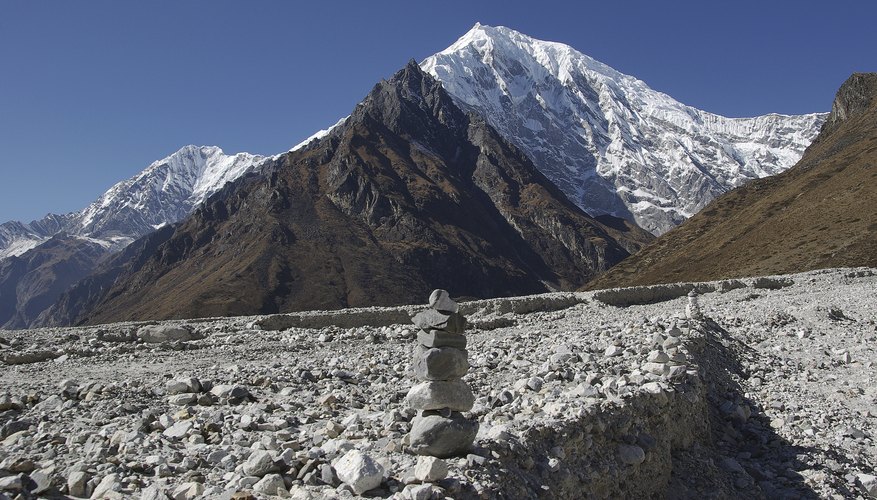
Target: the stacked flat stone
pixel 692 310
pixel 440 396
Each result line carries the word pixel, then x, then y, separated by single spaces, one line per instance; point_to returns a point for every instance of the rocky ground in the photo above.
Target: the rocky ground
pixel 772 394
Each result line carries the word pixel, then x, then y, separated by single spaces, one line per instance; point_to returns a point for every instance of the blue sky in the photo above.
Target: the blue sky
pixel 91 92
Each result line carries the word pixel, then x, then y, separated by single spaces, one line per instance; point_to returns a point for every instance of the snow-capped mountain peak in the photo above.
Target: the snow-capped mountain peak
pixel 608 140
pixel 164 192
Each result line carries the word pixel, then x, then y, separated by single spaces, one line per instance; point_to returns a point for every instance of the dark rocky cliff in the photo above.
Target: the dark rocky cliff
pixel 854 97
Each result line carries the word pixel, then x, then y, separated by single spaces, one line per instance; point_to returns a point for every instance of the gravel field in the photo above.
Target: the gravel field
pixel 771 394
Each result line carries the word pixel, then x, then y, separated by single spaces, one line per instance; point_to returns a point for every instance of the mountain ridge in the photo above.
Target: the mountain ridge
pixel 612 144
pixel 45 257
pixel 162 193
pixel 408 194
pixel 149 200
pixel 818 214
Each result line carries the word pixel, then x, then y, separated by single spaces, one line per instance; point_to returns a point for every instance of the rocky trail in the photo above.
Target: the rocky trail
pixel 769 392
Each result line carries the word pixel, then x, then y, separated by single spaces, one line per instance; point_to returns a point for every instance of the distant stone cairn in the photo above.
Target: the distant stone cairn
pixel 692 310
pixel 440 362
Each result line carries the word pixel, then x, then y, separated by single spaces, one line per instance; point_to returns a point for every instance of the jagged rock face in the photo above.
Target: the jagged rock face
pixel 818 214
pixel 30 283
pixel 853 98
pixel 409 194
pixel 611 143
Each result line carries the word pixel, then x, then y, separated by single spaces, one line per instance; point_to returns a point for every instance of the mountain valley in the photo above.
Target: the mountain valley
pixel 609 143
pixel 614 294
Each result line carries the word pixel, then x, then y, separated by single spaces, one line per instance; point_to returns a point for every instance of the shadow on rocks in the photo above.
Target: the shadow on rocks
pixel 747 457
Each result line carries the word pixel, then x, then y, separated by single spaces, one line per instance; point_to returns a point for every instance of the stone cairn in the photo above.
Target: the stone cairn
pixel 440 362
pixel 692 310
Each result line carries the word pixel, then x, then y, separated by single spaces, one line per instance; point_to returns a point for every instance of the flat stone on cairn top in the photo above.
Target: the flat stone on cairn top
pixel 440 362
pixel 441 301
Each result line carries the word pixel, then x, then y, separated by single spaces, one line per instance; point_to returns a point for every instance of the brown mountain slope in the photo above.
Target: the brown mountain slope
pixel 409 194
pixel 820 213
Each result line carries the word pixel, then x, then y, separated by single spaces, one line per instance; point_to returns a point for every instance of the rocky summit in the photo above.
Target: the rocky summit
pixel 757 388
pixel 408 194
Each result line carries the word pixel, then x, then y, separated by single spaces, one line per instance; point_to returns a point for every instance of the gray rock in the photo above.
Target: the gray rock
pixel 11 483
pixel 418 491
pixel 359 471
pixel 473 460
pixel 535 383
pixel 671 342
pixel 187 491
pixel 183 385
pixel 655 368
pixel 271 484
pixel 769 283
pixel 431 319
pixel 440 300
pixel 7 403
pixel 28 357
pixel 41 480
pixel 182 399
pixel 18 464
pixel 869 482
pixel 676 372
pixel 455 395
pixel 153 493
pixel 440 436
pixel 631 454
pixel 259 463
pixel 430 469
pixel 328 475
pixel 232 392
pixel 77 483
pixel 692 309
pixel 731 465
pixel 658 357
pixel 613 351
pixel 559 360
pixel 439 338
pixel 154 334
pixel 178 430
pixel 440 363
pixel 106 487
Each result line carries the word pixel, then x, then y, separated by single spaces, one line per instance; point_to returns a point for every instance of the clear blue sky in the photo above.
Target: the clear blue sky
pixel 91 92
